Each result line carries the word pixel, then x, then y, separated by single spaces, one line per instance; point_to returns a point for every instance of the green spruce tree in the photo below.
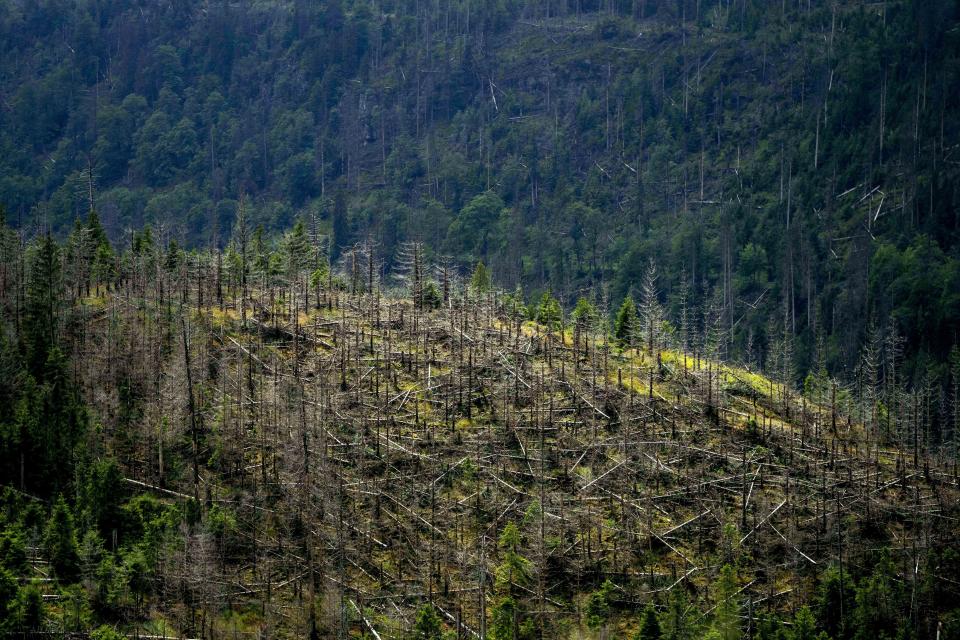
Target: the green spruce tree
pixel 650 625
pixel 626 326
pixel 480 282
pixel 60 543
pixel 427 625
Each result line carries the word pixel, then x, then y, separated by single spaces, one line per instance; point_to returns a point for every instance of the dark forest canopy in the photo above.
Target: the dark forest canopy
pixel 789 163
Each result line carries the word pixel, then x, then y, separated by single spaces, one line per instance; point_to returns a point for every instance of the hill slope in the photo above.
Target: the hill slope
pixel 328 458
pixel 796 157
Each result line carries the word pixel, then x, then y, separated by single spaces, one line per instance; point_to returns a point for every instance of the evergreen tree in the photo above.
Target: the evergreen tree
pixel 427 625
pixel 8 594
pixel 102 493
pixel 13 550
pixel 834 603
pixel 515 305
pixel 503 623
pixel 260 254
pixel 60 423
pixel 432 297
pixel 296 249
pixel 77 258
pixel 106 632
pixel 11 370
pixel 549 312
pixel 584 315
pixel 142 244
pixel 650 625
pixel 598 605
pixel 770 628
pixel 60 543
pixel 104 265
pixel 726 614
pixel 98 236
pixel 804 625
pixel 626 325
pixel 28 610
pixel 515 569
pixel 676 624
pixel 480 280
pixel 879 603
pixel 43 302
pixel 509 621
pixel 98 257
pixel 174 256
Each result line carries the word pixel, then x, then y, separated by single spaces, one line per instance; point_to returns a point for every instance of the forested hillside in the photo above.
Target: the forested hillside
pixel 790 162
pixel 274 449
pixel 480 318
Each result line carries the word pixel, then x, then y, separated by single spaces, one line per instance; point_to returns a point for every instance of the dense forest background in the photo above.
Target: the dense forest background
pixel 786 164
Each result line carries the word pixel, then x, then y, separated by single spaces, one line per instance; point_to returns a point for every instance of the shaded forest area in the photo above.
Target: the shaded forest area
pixel 250 443
pixel 788 163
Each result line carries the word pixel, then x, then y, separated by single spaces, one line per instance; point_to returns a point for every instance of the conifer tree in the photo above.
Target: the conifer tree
pixel 427 625
pixel 598 605
pixel 726 616
pixel 676 621
pixel 513 572
pixel 101 257
pixel 60 543
pixel 480 280
pixel 43 301
pixel 834 602
pixel 28 610
pixel 650 625
pixel 8 592
pixel 804 625
pixel 584 315
pixel 626 325
pixel 549 312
